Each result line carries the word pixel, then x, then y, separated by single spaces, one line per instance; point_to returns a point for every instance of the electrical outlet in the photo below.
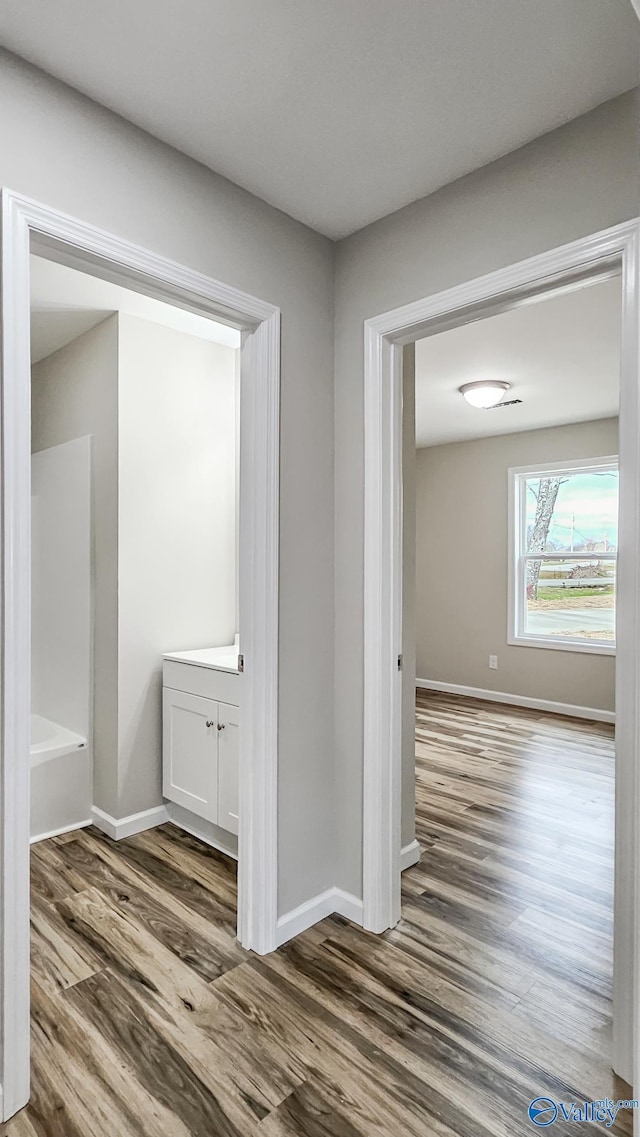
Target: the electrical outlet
pixel 493 662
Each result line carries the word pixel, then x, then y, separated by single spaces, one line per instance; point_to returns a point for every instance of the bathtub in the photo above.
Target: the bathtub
pixel 50 740
pixel 61 783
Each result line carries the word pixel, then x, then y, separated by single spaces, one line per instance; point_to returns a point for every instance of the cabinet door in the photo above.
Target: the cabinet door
pixel 228 773
pixel 190 752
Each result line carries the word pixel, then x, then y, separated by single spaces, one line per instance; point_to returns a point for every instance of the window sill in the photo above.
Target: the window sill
pixel 585 647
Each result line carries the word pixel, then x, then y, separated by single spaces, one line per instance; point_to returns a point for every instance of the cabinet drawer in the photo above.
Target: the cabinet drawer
pixel 223 686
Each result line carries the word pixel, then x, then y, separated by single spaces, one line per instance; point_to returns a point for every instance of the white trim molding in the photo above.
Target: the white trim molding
pixel 28 226
pixel 15 555
pixel 305 916
pixel 332 900
pixel 410 855
pixel 592 258
pixel 593 714
pixel 258 625
pixel 118 828
pixel 348 905
pixel 59 832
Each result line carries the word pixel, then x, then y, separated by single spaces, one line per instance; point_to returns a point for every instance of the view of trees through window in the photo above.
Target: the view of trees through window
pixel 572 520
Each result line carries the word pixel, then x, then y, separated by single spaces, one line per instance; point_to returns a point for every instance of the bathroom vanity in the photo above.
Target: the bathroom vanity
pixel 201 718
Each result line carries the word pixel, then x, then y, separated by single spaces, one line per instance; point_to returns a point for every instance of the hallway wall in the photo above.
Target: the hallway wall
pixel 61 149
pixel 575 181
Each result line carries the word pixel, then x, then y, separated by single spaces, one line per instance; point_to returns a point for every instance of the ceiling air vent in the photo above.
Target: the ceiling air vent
pixel 509 403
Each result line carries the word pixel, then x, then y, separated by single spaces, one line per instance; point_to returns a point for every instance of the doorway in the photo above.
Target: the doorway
pixel 30 228
pixel 596 257
pixel 513 610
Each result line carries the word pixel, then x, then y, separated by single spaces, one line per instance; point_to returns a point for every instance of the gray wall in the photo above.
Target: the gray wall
pixel 176 528
pixel 461 591
pixel 161 408
pixel 577 180
pixel 74 393
pixel 61 149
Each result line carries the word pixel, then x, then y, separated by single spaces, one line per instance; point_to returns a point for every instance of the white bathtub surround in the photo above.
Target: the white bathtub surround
pixel 74 394
pixel 61 655
pixel 49 740
pixel 60 779
pixel 61 584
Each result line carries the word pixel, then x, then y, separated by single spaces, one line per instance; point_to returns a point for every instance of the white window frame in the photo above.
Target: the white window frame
pixel 518 476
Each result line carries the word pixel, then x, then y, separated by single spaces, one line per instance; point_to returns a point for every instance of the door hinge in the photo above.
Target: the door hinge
pixel 399 663
pixel 240 663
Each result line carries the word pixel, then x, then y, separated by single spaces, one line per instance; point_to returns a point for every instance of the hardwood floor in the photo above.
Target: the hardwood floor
pixel 149 1019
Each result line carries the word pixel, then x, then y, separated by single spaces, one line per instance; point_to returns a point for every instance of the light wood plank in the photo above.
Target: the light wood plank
pixel 495 987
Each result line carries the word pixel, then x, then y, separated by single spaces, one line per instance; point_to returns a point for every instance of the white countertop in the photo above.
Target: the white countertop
pixel 217 658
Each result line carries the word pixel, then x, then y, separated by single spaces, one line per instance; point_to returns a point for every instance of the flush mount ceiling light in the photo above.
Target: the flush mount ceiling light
pixel 485 393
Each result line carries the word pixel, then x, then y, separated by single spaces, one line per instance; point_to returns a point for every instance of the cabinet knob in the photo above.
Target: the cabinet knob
pixel 211 723
pixel 220 726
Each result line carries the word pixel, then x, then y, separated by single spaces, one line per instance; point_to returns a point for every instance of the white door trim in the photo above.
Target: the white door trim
pixel 384 336
pixel 26 225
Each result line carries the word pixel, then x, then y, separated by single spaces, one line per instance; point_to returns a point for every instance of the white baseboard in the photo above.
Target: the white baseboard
pixel 569 709
pixel 117 828
pixel 317 909
pixel 59 832
pixel 409 855
pixel 305 916
pixel 348 905
pixel 205 831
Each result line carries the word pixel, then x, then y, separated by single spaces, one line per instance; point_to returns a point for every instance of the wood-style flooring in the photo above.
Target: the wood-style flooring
pixel 150 1021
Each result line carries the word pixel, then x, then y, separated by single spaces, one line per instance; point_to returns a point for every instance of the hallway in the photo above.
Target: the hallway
pixel 494 989
pixel 514 892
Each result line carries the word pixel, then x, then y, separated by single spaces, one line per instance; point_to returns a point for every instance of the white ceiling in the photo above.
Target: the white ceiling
pixel 336 111
pixel 65 303
pixel 561 355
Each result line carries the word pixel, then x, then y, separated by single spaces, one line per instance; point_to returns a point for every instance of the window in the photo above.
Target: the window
pixel 563 545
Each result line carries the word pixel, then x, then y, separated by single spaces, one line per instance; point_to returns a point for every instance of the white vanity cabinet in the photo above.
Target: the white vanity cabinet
pixel 190 752
pixel 201 720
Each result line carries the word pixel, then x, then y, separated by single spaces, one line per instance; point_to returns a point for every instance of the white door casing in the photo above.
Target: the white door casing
pixel 28 226
pixel 592 257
